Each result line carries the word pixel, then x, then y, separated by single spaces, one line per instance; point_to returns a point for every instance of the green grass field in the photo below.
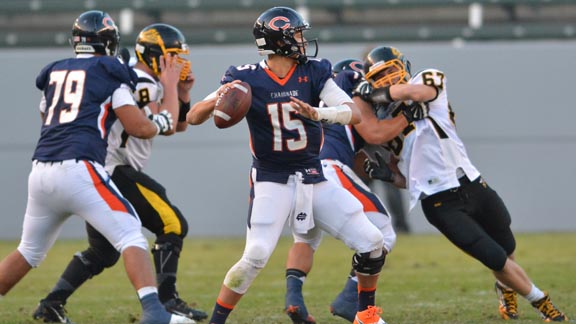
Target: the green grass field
pixel 425 280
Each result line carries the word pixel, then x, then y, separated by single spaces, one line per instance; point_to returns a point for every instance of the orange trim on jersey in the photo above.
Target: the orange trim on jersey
pixel 349 185
pixel 110 198
pixel 223 304
pixel 277 79
pixel 250 144
pixel 107 108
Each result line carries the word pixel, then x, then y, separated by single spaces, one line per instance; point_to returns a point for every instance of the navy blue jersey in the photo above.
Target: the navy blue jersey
pixel 281 140
pixel 342 141
pixel 79 112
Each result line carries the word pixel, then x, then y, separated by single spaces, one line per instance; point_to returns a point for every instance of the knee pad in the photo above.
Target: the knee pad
pixel 364 264
pixel 33 257
pixel 257 254
pixel 488 252
pixel 168 242
pixel 96 262
pixel 384 223
pixel 183 222
pixel 135 239
pixel 240 276
pixel 495 259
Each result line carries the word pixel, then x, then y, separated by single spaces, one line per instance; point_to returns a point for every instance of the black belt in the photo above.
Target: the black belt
pixel 466 186
pixel 52 162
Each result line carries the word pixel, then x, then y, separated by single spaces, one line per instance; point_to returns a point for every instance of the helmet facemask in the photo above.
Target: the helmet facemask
pixel 388 73
pixel 150 46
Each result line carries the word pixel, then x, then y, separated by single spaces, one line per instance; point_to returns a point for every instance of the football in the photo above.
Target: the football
pixel 232 105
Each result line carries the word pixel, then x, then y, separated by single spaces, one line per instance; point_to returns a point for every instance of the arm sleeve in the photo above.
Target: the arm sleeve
pixel 122 96
pixel 42 106
pixel 332 95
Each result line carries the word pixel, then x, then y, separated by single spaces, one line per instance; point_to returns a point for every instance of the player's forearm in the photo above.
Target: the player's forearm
pixel 414 92
pixel 170 102
pixel 387 129
pixel 399 181
pixel 201 111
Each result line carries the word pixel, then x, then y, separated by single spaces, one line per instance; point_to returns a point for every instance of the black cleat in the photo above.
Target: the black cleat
pixel 51 311
pixel 179 307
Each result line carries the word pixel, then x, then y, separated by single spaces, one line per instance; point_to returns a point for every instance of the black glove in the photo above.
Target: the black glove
pixel 381 95
pixel 125 55
pixel 415 111
pixel 378 170
pixel 363 90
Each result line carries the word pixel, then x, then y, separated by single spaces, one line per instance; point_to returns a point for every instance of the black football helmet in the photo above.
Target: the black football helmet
pixel 274 31
pixel 94 32
pixel 161 39
pixel 348 64
pixel 386 66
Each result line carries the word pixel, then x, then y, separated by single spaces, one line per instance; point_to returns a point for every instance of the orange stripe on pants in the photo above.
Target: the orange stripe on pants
pixel 109 197
pixel 350 186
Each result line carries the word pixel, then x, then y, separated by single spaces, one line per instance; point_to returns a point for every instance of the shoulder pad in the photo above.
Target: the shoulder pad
pixel 237 72
pixel 431 77
pixel 44 75
pixel 120 71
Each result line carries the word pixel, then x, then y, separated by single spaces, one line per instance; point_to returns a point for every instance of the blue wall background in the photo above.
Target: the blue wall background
pixel 515 112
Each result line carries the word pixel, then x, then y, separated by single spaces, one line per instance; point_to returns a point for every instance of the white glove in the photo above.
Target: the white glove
pixel 163 121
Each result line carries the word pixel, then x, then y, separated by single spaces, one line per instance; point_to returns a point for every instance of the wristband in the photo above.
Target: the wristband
pixel 381 95
pixel 184 109
pixel 335 115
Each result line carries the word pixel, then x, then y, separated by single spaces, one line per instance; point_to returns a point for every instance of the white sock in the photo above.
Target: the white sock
pixel 145 291
pixel 535 294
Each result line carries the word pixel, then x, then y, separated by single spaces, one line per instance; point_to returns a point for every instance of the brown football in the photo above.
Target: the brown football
pixel 232 105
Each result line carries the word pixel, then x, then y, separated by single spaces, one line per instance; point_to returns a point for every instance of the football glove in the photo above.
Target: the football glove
pixel 378 170
pixel 125 55
pixel 163 121
pixel 381 95
pixel 415 111
pixel 363 90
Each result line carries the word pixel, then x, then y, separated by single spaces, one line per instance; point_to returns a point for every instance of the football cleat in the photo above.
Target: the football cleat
pixel 548 311
pixel 346 303
pixel 177 319
pixel 508 302
pixel 369 316
pixel 51 311
pixel 179 307
pixel 299 315
pixel 296 309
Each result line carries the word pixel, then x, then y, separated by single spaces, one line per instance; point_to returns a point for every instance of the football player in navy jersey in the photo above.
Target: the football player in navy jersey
pixel 287 181
pixel 432 163
pixel 157 89
pixel 81 98
pixel 338 154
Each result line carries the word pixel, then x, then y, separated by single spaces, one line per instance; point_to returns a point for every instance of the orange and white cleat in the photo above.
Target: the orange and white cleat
pixel 369 316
